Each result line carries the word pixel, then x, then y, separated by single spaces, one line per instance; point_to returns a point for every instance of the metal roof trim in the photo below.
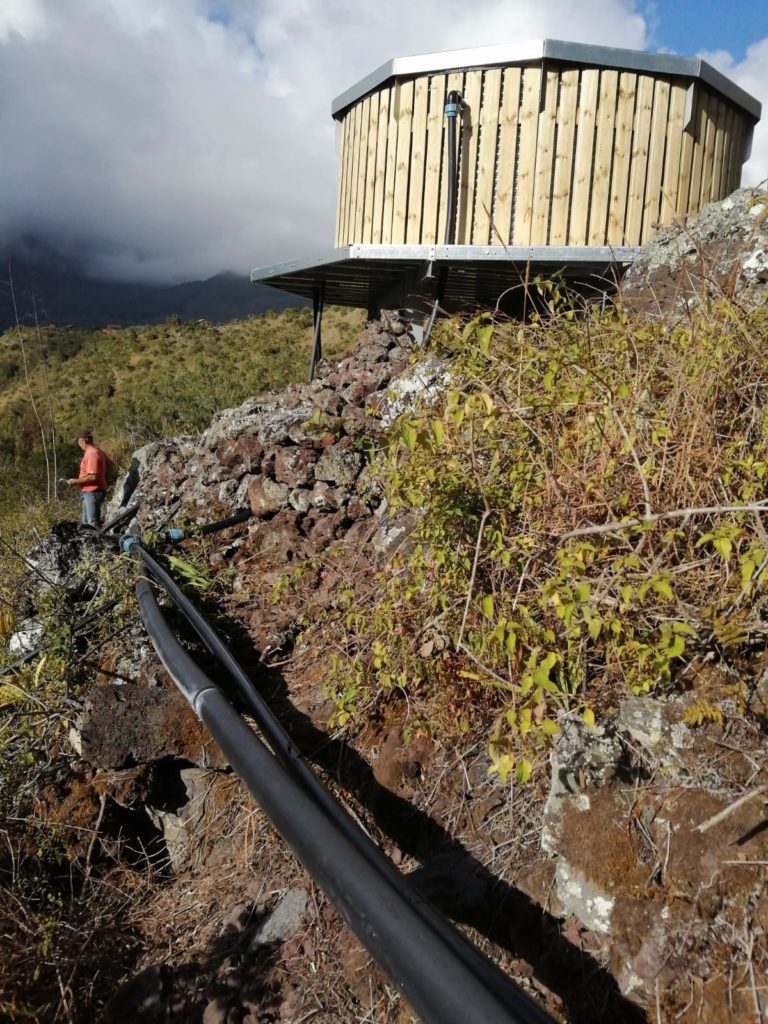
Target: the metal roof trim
pixel 525 51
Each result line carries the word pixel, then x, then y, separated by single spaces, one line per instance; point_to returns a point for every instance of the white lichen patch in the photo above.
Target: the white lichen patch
pixel 582 898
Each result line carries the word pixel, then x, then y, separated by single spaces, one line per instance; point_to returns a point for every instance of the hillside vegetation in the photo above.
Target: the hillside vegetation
pixel 465 565
pixel 589 494
pixel 135 384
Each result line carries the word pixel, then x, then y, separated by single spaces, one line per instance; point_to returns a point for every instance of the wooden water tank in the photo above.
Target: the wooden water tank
pixel 560 144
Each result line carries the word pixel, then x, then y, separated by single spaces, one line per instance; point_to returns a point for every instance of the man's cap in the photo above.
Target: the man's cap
pixel 85 434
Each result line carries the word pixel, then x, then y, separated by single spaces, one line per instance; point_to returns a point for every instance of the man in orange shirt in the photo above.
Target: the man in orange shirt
pixel 92 479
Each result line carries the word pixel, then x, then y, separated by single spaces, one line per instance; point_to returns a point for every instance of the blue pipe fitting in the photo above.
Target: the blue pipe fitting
pixel 175 535
pixel 127 544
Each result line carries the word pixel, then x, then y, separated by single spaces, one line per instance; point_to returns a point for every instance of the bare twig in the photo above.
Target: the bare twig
pixel 504 683
pixel 678 513
pixel 729 810
pixel 638 466
pixel 95 836
pixel 22 346
pixel 49 398
pixel 472 577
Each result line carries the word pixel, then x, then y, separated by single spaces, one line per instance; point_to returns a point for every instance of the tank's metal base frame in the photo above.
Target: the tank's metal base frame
pixel 413 277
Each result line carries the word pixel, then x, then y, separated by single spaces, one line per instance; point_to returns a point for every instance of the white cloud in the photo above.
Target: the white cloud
pixel 25 18
pixel 170 139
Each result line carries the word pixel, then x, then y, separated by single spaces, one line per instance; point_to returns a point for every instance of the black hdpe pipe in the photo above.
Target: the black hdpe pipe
pixel 176 535
pixel 120 518
pixel 453 104
pixel 441 986
pixel 291 760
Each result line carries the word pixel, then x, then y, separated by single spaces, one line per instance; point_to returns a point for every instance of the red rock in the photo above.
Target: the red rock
pixel 294 466
pixel 266 496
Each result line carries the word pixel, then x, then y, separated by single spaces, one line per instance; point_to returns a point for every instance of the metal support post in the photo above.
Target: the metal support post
pixel 317 320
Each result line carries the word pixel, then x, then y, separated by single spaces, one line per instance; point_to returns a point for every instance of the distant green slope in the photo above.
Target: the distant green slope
pixel 135 384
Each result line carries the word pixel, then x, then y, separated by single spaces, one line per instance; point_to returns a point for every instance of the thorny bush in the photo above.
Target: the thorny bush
pixel 588 491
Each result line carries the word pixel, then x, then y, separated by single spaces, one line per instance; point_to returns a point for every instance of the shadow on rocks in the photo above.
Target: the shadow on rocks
pixel 204 990
pixel 450 877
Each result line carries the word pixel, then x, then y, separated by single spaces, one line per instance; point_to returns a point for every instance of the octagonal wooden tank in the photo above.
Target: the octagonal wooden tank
pixel 559 144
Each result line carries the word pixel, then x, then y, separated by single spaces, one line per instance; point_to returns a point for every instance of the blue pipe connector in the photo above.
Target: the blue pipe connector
pixel 175 535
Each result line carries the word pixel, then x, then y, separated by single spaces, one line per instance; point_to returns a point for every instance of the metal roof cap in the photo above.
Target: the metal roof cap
pixel 530 50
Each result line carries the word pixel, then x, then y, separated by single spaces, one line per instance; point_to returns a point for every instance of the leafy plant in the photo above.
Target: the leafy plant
pixel 588 491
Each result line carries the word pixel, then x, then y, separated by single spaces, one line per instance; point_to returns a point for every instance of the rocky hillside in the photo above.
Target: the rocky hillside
pixel 508 596
pixel 136 383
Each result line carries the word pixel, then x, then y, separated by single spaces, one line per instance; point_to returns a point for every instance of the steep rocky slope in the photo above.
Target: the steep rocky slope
pixel 629 884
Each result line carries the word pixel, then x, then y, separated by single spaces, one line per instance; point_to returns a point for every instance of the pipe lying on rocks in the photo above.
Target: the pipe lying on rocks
pixel 421 952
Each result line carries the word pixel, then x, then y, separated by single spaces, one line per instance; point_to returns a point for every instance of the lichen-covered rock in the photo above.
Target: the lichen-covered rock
pixel 295 466
pixel 339 465
pixel 720 252
pixel 654 871
pixel 284 921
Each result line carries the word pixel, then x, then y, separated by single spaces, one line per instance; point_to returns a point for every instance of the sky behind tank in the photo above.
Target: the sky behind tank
pixel 694 26
pixel 165 140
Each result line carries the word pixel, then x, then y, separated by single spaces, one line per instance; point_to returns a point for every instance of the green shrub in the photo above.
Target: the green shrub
pixel 563 554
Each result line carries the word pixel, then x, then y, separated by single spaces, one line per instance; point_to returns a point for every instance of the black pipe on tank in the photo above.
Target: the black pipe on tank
pixel 453 104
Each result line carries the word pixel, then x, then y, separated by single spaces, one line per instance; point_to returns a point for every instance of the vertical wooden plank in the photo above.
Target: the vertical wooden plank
pixel 717 155
pixel 418 161
pixel 350 144
pixel 365 119
pixel 390 170
pixel 722 183
pixel 737 152
pixel 505 176
pixel 354 166
pixel 673 153
pixel 435 128
pixel 469 142
pixel 686 157
pixel 381 165
pixel 562 187
pixel 522 210
pixel 402 164
pixel 581 186
pixel 713 115
pixel 545 157
pixel 370 169
pixel 622 156
pixel 641 134
pixel 339 186
pixel 343 156
pixel 455 83
pixel 652 203
pixel 701 120
pixel 486 167
pixel 601 178
pixel 730 159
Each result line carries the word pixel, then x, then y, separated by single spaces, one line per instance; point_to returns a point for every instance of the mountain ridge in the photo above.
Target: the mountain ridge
pixel 55 293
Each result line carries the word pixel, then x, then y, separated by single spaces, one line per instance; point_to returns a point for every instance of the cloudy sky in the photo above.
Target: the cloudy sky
pixel 166 140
